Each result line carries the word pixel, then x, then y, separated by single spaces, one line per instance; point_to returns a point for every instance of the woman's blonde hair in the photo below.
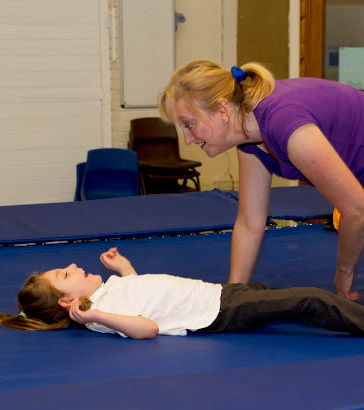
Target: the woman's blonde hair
pixel 39 308
pixel 202 84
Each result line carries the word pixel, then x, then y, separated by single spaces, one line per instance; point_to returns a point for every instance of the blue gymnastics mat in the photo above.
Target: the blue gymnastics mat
pixel 144 216
pixel 136 216
pixel 279 366
pixel 298 203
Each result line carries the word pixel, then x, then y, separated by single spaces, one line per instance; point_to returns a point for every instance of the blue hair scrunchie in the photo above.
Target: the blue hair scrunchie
pixel 238 74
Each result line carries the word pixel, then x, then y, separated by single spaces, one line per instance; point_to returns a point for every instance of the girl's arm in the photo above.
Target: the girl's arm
pixel 249 227
pixel 313 155
pixel 136 327
pixel 116 262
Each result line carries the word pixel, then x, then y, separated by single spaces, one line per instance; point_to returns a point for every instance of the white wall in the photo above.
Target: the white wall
pixel 54 89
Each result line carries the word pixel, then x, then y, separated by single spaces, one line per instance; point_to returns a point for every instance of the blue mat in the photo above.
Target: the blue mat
pixel 298 203
pixel 145 216
pixel 283 365
pixel 136 216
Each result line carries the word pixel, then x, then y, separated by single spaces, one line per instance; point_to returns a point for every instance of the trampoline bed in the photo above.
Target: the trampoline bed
pixel 281 365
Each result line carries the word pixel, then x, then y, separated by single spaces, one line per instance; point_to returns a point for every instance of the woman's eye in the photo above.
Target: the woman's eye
pixel 188 126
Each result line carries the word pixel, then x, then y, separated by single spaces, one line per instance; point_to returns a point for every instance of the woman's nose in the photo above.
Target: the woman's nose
pixel 188 138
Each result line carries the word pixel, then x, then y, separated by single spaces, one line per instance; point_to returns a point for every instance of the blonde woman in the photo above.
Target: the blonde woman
pixel 306 129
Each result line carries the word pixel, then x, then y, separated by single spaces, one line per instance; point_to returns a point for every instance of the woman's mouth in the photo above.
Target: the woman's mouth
pixel 201 144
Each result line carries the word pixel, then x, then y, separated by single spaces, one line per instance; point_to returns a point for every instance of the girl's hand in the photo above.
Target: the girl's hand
pixel 137 327
pixel 80 316
pixel 116 262
pixel 113 260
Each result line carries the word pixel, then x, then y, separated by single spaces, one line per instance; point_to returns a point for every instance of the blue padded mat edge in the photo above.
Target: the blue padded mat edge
pixel 144 216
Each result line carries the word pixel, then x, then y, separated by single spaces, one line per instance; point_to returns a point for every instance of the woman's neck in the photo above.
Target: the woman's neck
pixel 251 129
pixel 245 128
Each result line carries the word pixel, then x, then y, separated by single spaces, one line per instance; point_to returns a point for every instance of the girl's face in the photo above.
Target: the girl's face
pixel 73 282
pixel 209 130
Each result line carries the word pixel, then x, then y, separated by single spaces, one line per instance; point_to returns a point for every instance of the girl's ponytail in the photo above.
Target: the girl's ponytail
pixel 24 323
pixel 39 308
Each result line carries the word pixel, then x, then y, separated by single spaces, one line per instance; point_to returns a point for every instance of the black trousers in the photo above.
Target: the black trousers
pixel 245 307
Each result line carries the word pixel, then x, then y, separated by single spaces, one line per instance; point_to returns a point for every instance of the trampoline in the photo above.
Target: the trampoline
pixel 283 365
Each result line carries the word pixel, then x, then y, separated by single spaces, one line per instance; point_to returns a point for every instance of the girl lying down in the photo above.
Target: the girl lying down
pixel 151 304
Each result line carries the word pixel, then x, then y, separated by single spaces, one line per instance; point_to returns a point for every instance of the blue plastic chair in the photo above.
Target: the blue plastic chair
pixel 110 173
pixel 80 171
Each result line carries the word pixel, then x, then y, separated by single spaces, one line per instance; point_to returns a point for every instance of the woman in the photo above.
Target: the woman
pixel 306 129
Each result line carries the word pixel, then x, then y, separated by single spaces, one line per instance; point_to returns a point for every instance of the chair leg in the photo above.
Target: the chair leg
pixel 142 183
pixel 184 183
pixel 198 183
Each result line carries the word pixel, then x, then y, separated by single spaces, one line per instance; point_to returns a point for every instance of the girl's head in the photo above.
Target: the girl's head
pixel 45 298
pixel 201 90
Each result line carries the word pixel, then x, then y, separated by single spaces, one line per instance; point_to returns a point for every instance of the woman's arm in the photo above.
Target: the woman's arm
pixel 314 157
pixel 254 194
pixel 116 262
pixel 136 327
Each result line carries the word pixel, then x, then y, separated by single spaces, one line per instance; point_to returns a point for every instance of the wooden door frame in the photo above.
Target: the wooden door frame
pixel 311 37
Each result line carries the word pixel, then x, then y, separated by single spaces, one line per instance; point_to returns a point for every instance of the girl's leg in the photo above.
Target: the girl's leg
pixel 245 307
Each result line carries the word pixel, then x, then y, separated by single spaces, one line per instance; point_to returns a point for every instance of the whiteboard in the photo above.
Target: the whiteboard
pixel 147 50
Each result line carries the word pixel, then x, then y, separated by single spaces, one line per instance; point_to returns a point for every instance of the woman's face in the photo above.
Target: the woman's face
pixel 209 130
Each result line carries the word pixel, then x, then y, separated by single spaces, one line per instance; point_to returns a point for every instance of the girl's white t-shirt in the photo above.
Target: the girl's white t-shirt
pixel 176 304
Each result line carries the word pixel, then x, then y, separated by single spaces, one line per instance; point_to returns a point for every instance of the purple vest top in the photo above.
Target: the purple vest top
pixel 337 109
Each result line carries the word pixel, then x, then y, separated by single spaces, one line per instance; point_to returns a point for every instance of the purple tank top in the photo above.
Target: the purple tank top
pixel 337 109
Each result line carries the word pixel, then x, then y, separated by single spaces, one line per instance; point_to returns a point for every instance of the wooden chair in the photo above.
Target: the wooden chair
pixel 161 168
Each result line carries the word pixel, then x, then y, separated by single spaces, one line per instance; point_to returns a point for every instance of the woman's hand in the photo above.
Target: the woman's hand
pixel 343 283
pixel 313 155
pixel 116 262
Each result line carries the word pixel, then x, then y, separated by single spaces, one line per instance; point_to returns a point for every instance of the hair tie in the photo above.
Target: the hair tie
pixel 23 314
pixel 238 74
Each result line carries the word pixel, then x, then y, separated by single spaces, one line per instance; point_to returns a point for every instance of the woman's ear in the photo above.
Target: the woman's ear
pixel 65 302
pixel 223 109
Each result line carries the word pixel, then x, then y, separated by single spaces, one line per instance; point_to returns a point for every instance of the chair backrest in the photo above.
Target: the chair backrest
pixel 110 173
pixel 80 172
pixel 153 139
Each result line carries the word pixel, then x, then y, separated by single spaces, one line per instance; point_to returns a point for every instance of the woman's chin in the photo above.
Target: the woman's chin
pixel 212 154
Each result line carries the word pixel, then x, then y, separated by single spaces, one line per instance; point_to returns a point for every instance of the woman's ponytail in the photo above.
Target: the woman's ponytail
pixel 258 85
